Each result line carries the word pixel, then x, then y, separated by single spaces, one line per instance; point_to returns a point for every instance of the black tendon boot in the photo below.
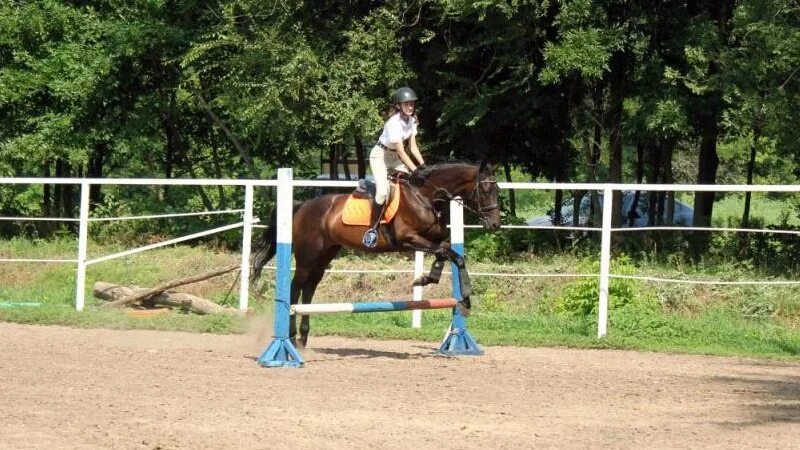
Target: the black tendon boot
pixel 370 239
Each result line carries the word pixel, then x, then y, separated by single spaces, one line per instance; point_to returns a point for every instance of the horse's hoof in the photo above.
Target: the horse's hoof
pixel 420 281
pixel 464 307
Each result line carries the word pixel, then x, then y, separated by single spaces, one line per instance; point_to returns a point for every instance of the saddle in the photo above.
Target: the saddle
pixel 367 188
pixel 358 206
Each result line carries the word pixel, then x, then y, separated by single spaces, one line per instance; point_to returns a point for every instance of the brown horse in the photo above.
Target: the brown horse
pixel 318 232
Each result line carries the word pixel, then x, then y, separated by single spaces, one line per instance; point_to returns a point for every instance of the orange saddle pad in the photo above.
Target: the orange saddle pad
pixel 357 211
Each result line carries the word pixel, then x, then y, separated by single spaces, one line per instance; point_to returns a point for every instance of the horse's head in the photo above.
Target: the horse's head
pixel 484 196
pixel 476 185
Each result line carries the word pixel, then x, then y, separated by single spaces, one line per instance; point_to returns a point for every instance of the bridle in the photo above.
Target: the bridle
pixel 475 198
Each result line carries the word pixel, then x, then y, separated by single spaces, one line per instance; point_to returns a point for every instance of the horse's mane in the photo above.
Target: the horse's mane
pixel 448 165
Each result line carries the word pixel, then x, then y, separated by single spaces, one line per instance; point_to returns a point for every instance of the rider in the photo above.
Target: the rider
pixel 395 151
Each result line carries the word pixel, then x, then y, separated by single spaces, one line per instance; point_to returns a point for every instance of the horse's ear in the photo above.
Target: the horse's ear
pixel 487 167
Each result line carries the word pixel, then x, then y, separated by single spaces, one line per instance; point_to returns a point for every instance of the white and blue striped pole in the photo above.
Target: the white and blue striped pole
pixel 458 340
pixel 281 353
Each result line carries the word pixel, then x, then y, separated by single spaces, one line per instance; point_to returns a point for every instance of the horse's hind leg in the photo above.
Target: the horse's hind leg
pixel 310 287
pixel 300 277
pixel 308 294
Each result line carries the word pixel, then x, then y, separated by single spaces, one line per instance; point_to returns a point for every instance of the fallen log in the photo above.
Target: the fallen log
pixel 144 294
pixel 114 292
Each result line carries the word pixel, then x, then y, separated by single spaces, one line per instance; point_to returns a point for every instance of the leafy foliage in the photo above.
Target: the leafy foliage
pixel 580 297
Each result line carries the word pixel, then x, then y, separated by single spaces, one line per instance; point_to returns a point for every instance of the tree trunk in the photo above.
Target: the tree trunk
pixel 95 170
pixel 707 164
pixel 558 200
pixel 669 178
pixel 655 198
pixel 47 191
pixel 708 125
pixel 65 203
pixel 512 200
pixel 632 213
pixel 333 171
pixel 202 192
pixel 360 158
pixel 115 292
pixel 617 96
pixel 594 159
pixel 344 155
pixel 144 294
pixel 174 143
pixel 757 127
pixel 223 198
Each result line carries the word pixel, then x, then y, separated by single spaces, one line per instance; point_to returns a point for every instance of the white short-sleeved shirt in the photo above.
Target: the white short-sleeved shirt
pixel 397 130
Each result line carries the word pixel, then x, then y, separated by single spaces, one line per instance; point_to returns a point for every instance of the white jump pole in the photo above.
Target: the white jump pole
pixel 416 315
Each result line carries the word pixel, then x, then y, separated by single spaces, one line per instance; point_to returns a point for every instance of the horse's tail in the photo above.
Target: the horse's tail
pixel 265 249
pixel 267 245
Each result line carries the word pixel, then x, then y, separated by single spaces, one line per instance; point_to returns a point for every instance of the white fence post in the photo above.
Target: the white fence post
pixel 247 234
pixel 83 236
pixel 605 262
pixel 416 315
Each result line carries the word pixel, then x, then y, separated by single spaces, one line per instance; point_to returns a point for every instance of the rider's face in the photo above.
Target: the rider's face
pixel 407 108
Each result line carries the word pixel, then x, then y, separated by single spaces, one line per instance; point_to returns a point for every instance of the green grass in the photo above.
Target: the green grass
pixel 93 317
pixel 729 320
pixel 770 210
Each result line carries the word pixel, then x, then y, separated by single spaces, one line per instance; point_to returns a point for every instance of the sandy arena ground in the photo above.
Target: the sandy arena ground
pixel 71 388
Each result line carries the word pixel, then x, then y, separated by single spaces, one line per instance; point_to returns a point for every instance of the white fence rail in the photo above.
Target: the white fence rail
pixel 248 222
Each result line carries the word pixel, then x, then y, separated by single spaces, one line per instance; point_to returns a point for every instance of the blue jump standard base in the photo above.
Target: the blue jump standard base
pixel 458 340
pixel 281 352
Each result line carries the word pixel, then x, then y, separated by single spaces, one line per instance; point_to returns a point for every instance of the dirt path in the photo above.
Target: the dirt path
pixel 70 388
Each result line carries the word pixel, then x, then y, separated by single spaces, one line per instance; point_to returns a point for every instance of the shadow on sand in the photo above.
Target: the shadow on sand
pixel 771 398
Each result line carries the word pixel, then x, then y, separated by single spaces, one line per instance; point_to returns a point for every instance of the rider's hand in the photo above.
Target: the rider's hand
pixel 416 177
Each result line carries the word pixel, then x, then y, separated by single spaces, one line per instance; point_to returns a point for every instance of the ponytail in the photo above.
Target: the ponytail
pixel 390 111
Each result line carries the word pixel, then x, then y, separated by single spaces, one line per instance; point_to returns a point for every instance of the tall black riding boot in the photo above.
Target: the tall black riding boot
pixel 370 239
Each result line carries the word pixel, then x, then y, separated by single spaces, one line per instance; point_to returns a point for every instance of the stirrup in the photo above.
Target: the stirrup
pixel 370 239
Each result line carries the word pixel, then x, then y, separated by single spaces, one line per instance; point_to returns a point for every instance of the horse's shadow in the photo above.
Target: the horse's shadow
pixel 365 353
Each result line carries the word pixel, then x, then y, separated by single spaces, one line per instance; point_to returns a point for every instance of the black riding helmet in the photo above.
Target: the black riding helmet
pixel 404 94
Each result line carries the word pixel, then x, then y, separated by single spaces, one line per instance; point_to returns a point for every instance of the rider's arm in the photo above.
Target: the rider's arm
pixel 401 153
pixel 412 145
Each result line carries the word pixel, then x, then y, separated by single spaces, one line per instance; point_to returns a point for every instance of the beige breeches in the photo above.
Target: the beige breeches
pixel 382 162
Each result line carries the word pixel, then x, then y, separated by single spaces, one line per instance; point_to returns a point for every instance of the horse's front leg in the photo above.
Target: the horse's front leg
pixel 443 253
pixel 420 244
pixel 464 283
pixel 436 271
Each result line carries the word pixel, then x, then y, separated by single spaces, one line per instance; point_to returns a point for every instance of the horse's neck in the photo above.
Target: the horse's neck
pixel 457 186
